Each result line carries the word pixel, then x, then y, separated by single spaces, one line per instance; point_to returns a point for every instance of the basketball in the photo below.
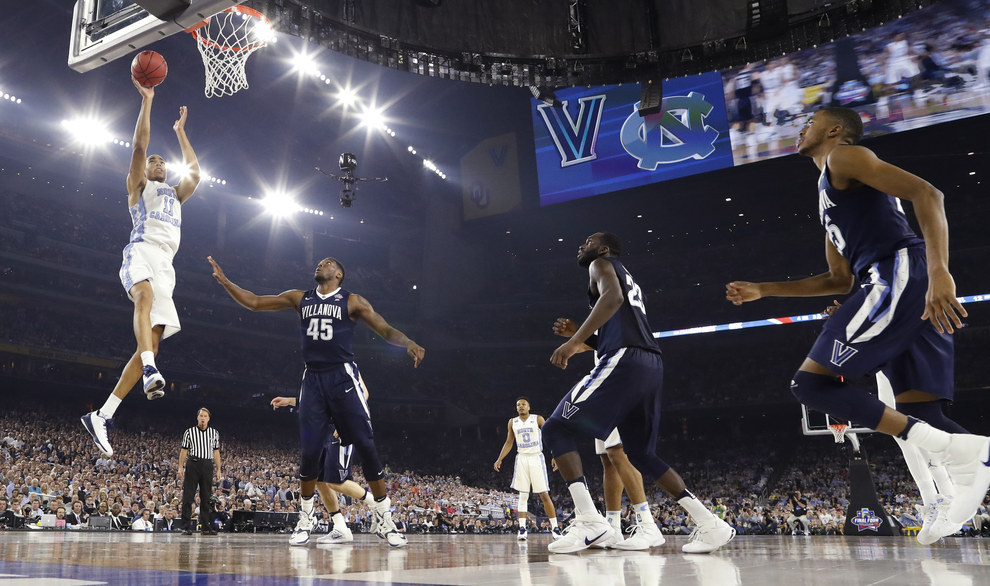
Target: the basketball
pixel 149 68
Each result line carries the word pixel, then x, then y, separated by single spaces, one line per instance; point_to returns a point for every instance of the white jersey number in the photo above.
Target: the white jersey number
pixel 835 235
pixel 635 294
pixel 320 329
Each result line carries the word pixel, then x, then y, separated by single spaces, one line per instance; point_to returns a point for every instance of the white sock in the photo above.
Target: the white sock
pixel 583 505
pixel 110 407
pixel 522 522
pixel 644 516
pixel 942 481
pixel 917 465
pixel 148 358
pixel 553 523
pixel 698 511
pixel 307 504
pixel 928 438
pixel 368 498
pixel 614 518
pixel 384 505
pixel 339 520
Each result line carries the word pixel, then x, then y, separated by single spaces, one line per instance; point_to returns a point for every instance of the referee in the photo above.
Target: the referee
pixel 199 463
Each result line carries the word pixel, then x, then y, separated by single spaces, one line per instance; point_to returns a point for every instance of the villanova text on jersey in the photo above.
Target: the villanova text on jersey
pixel 327 330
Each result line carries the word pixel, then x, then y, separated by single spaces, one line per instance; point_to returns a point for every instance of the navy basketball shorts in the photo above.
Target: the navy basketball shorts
pixel 880 328
pixel 329 399
pixel 336 461
pixel 622 391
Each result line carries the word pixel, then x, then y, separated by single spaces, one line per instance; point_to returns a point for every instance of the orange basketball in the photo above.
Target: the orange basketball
pixel 149 68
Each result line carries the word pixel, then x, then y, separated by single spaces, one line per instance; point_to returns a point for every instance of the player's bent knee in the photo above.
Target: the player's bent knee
pixel 648 463
pixel 828 394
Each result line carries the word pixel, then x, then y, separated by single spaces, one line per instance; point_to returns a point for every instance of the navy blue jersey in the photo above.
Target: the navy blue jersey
pixel 628 328
pixel 327 330
pixel 864 224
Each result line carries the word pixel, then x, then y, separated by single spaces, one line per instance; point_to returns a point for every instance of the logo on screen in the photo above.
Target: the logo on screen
pixel 575 139
pixel 678 134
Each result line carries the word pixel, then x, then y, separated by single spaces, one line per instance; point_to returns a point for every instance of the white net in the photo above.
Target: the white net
pixel 225 41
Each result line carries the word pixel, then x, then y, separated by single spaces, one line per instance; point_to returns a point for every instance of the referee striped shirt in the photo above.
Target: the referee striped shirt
pixel 201 443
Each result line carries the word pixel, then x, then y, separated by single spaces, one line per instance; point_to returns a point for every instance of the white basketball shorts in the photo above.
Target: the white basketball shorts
pixel 613 439
pixel 530 473
pixel 148 262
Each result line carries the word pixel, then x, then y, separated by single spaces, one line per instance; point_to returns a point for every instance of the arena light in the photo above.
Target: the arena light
pixel 347 97
pixel 372 117
pixel 87 131
pixel 279 203
pixel 305 64
pixel 178 170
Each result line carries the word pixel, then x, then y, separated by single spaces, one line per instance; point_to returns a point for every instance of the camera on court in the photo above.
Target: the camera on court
pixel 347 162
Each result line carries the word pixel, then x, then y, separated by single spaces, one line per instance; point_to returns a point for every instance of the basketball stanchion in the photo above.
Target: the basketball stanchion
pixel 225 41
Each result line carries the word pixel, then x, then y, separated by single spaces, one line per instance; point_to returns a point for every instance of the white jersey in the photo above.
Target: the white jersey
pixel 529 439
pixel 157 217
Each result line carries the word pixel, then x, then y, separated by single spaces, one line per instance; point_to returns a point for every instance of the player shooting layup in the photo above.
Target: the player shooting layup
pixel 146 273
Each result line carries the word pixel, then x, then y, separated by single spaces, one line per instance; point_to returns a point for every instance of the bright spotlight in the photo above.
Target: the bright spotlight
pixel 279 203
pixel 372 118
pixel 177 170
pixel 429 165
pixel 347 97
pixel 305 64
pixel 87 130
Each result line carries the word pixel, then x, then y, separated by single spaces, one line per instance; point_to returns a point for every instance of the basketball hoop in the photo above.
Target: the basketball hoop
pixel 839 431
pixel 225 41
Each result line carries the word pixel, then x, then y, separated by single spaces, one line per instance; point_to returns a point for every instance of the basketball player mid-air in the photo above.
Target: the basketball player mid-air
pixel 904 281
pixel 622 391
pixel 530 471
pixel 332 393
pixel 146 273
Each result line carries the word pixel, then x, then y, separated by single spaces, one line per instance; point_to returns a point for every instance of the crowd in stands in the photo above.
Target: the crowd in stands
pixel 51 466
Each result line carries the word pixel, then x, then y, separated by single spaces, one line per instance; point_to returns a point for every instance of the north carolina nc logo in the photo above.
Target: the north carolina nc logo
pixel 665 139
pixel 866 519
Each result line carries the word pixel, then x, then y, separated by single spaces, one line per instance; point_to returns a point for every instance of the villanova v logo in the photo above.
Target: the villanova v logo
pixel 841 353
pixel 498 155
pixel 569 409
pixel 575 139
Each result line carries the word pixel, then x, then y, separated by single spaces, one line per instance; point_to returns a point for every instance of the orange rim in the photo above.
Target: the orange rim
pixel 246 10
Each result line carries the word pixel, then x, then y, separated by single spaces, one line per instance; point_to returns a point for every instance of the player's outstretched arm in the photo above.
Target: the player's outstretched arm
pixel 359 309
pixel 837 281
pixel 136 178
pixel 187 185
pixel 510 439
pixel 286 300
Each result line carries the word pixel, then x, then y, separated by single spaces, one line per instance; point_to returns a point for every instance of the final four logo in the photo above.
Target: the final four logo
pixel 668 138
pixel 866 519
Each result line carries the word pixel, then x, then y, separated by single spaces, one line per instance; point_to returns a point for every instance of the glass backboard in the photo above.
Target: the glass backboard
pixel 104 30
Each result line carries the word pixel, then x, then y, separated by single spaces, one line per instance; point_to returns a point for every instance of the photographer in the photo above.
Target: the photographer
pixel 7 517
pixel 799 513
pixel 221 518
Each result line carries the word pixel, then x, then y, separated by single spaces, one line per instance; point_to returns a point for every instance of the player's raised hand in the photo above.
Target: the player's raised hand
pixel 739 292
pixel 146 92
pixel 941 306
pixel 282 402
pixel 564 327
pixel 416 351
pixel 180 124
pixel 217 271
pixel 831 309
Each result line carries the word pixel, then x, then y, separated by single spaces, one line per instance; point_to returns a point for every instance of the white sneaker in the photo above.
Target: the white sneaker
pixel 522 535
pixel 642 537
pixel 383 515
pixel 709 536
pixel 375 528
pixel 968 464
pixel 935 523
pixel 303 528
pixel 96 425
pixel 556 533
pixel 337 535
pixel 582 533
pixel 154 382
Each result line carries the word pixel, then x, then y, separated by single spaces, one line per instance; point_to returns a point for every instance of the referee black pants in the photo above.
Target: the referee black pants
pixel 199 474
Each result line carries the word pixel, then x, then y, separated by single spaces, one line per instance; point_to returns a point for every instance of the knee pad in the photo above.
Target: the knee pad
pixel 523 502
pixel 558 439
pixel 842 401
pixel 931 413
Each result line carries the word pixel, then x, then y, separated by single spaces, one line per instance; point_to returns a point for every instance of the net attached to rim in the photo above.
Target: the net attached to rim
pixel 839 431
pixel 225 41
